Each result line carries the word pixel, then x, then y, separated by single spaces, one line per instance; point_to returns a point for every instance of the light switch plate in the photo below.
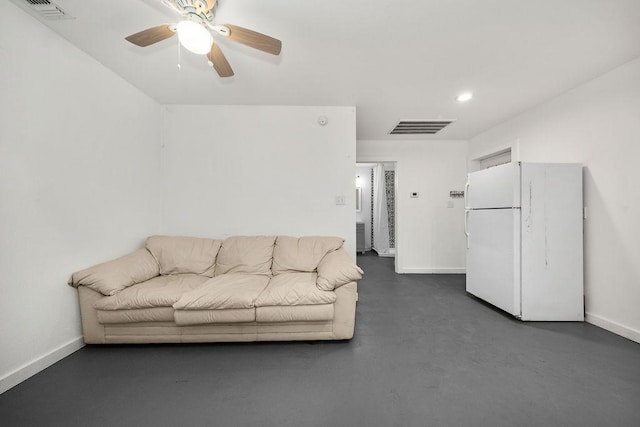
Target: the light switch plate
pixel 340 200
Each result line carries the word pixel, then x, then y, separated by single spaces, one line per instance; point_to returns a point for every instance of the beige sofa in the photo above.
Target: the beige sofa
pixel 243 288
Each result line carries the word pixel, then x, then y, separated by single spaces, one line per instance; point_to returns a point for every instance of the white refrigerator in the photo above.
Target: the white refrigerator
pixel 523 223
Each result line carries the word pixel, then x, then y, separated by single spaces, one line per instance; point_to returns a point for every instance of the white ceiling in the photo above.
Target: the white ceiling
pixel 393 60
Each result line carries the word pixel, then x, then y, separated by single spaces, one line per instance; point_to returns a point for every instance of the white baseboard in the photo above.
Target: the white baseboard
pixel 432 271
pixel 387 255
pixel 611 326
pixel 29 369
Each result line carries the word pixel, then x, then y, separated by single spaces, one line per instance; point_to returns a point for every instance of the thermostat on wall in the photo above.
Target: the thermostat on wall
pixel 414 194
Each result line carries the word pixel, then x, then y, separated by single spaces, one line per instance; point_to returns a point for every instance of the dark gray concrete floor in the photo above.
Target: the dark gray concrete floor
pixel 424 354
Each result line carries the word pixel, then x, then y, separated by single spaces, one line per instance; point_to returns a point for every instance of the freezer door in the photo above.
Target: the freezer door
pixel 496 187
pixel 493 257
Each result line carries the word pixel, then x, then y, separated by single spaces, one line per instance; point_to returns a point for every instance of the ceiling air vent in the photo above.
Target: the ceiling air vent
pixel 417 127
pixel 48 9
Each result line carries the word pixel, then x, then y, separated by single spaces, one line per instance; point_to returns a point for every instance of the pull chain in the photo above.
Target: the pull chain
pixel 179 50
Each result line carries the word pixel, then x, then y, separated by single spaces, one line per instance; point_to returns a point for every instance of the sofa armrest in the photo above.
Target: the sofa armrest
pixel 337 269
pixel 111 277
pixel 92 330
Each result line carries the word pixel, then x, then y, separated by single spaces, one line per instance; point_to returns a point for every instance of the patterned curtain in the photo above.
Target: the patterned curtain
pixel 389 181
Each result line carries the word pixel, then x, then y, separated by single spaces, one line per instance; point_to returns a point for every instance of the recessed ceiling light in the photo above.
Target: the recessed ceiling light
pixel 464 97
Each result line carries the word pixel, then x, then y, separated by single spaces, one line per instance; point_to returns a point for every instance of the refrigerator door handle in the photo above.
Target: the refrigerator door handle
pixel 466 211
pixel 466 225
pixel 466 190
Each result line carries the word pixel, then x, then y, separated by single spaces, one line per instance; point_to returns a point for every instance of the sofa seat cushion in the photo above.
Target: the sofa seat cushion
pixel 246 254
pixel 295 313
pixel 200 317
pixel 231 291
pixel 184 255
pixel 294 289
pixel 136 315
pixel 161 291
pixel 292 254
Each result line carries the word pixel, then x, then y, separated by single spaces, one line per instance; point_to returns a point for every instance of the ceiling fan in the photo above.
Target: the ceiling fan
pixel 194 34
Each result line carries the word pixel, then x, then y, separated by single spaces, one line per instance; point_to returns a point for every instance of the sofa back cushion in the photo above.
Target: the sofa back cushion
pixel 302 254
pixel 177 255
pixel 246 254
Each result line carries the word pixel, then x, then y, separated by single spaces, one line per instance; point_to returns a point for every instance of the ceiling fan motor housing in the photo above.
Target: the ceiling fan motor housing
pixel 201 8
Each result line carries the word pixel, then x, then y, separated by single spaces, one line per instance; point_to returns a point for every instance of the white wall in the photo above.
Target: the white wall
pixel 429 235
pixel 597 124
pixel 245 170
pixel 364 215
pixel 79 167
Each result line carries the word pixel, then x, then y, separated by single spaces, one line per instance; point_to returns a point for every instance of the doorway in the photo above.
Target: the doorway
pixel 376 218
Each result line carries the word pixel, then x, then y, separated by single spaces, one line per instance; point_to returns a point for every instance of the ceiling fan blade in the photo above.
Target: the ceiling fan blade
pixel 219 61
pixel 211 4
pixel 151 35
pixel 254 39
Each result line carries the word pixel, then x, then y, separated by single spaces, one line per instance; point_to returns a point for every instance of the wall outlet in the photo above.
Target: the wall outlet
pixel 340 200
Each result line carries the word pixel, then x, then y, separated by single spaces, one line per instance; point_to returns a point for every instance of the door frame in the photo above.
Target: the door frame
pixel 360 161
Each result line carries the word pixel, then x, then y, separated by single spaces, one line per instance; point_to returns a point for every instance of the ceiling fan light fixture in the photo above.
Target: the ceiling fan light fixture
pixel 194 37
